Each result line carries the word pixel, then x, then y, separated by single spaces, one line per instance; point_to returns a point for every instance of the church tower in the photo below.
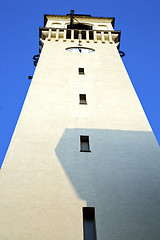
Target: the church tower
pixel 83 162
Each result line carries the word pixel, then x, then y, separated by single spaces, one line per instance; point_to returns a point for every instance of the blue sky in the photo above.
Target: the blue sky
pixel 20 22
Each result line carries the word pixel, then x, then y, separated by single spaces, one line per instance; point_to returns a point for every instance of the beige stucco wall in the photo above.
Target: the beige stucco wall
pixel 97 23
pixel 45 181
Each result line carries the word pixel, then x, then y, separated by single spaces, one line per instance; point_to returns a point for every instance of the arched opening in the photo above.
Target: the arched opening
pixel 79 26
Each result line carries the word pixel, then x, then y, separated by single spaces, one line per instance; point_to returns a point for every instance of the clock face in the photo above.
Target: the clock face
pixel 80 49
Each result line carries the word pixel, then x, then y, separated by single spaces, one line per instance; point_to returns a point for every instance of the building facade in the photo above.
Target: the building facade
pixel 83 162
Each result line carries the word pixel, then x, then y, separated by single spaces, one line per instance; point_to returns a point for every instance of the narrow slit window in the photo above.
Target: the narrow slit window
pixel 84 141
pixel 89 228
pixel 82 99
pixel 81 71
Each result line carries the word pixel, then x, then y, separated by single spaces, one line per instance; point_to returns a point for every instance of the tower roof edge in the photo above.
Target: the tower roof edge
pixel 112 19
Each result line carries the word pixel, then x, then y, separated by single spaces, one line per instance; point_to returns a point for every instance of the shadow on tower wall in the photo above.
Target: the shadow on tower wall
pixel 120 177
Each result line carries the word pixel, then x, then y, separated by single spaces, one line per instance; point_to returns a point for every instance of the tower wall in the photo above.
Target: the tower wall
pixel 46 180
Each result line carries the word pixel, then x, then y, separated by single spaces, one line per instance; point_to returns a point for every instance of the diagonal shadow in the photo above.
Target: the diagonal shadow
pixel 120 177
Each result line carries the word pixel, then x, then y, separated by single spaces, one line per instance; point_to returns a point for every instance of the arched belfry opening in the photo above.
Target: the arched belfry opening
pixel 80 26
pixel 75 24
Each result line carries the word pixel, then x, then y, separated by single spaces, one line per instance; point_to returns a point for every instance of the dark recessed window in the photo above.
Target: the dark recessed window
pixel 82 99
pixel 84 141
pixel 89 228
pixel 83 34
pixel 68 34
pixel 79 26
pixel 81 70
pixel 91 35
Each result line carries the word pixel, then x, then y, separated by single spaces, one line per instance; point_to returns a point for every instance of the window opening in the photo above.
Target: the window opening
pixel 76 33
pixel 81 71
pixel 68 34
pixel 83 34
pixel 82 99
pixel 91 35
pixel 89 228
pixel 79 26
pixel 84 141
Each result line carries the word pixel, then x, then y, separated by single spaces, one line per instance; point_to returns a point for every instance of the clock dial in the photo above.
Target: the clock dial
pixel 80 49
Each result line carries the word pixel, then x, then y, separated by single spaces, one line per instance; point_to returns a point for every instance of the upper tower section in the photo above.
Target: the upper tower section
pixel 79 28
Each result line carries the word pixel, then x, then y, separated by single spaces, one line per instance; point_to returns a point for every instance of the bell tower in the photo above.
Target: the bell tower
pixel 83 162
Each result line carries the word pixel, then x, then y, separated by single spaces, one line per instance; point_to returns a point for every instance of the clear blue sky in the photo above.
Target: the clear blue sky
pixel 20 21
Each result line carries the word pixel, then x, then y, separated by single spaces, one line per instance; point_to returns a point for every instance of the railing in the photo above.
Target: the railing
pixel 81 35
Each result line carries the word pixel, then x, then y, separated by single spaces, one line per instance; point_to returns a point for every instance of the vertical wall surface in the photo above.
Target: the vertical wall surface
pixel 45 180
